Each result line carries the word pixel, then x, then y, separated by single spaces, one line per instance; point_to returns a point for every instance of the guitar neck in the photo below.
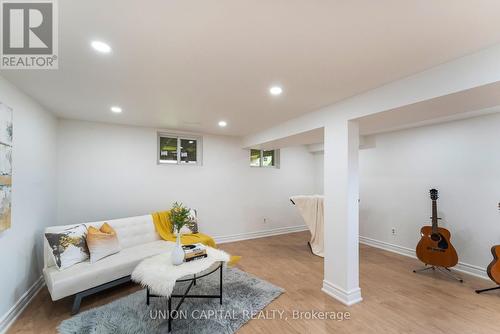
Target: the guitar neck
pixel 434 216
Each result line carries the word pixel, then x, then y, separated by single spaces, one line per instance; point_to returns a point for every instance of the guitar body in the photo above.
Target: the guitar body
pixel 436 249
pixel 493 269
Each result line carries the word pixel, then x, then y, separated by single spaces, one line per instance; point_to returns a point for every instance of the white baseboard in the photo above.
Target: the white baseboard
pixel 8 319
pixel 462 267
pixel 345 297
pixel 259 234
pixel 387 246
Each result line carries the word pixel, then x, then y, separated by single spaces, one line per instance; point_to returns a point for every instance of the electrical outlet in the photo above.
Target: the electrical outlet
pixel 393 230
pixel 265 220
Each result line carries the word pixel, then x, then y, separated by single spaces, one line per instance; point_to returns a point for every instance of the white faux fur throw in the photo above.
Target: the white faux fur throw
pixel 159 274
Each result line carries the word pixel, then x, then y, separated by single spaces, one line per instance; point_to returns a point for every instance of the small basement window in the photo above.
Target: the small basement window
pixel 264 158
pixel 179 149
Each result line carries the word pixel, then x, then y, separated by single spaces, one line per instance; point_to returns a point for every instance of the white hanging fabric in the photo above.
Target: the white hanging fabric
pixel 311 209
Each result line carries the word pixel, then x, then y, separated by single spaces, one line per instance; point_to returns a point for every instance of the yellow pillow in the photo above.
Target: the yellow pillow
pixel 105 228
pixel 102 242
pixel 92 229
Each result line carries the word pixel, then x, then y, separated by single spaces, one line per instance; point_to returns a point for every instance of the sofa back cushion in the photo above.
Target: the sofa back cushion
pixel 131 231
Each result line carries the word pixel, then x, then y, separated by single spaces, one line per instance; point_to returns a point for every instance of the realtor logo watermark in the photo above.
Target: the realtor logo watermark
pixel 29 34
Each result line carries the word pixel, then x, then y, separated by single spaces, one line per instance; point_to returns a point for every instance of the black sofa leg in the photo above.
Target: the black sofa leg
pixel 80 295
pixel 76 304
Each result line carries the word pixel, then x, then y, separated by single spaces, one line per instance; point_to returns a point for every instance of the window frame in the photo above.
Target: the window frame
pixel 179 137
pixel 261 159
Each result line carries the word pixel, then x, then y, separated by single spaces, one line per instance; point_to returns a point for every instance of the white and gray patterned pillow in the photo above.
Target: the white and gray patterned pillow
pixel 193 221
pixel 69 246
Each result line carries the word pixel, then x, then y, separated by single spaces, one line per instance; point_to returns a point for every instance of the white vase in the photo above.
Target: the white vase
pixel 178 252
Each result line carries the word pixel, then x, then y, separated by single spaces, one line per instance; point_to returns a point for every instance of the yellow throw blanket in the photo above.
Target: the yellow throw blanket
pixel 164 228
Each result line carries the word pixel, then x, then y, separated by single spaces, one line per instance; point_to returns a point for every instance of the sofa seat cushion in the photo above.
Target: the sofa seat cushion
pixel 84 275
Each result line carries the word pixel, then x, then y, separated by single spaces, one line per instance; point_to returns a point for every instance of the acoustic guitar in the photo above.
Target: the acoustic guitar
pixel 434 247
pixel 493 269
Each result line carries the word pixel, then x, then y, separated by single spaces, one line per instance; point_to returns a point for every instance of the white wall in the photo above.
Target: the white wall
pixel 319 163
pixel 110 171
pixel 461 159
pixel 33 195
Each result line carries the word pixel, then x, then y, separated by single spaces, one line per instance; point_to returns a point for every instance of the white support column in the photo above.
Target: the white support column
pixel 341 184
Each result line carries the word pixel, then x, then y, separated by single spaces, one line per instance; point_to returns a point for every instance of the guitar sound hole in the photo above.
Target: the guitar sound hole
pixel 443 244
pixel 435 237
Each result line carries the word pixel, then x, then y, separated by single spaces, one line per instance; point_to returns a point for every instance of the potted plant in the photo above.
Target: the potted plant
pixel 179 216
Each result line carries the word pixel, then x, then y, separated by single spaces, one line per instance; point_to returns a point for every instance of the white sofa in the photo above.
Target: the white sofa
pixel 138 240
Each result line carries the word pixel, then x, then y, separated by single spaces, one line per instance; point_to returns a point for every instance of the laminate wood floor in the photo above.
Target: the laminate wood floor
pixel 395 299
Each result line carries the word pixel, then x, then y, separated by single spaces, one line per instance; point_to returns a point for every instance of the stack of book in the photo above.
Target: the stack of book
pixel 194 252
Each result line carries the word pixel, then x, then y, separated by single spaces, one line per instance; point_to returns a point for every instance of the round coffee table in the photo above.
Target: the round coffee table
pixel 193 280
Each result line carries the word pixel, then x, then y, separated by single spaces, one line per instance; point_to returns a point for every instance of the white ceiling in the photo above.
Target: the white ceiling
pixel 187 64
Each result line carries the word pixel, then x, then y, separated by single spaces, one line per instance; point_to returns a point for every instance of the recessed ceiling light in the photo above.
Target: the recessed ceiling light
pixel 275 90
pixel 222 124
pixel 116 109
pixel 101 46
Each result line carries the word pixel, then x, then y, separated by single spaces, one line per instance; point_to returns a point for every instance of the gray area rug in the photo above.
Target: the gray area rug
pixel 243 295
